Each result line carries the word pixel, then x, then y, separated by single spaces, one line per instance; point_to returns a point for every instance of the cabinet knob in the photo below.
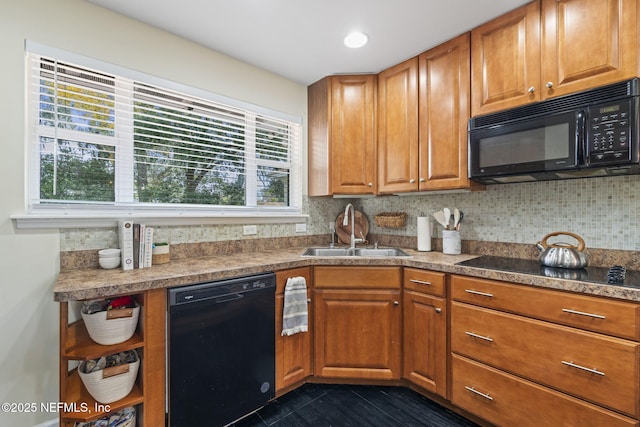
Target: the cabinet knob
pixel 370 184
pixel 532 89
pixel 411 181
pixel 308 300
pixel 422 180
pixel 438 310
pixel 549 85
pixel 396 303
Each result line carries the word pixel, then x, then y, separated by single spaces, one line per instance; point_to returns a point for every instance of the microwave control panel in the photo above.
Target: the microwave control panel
pixel 609 133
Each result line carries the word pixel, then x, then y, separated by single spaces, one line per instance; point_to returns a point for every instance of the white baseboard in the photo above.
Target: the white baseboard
pixel 50 423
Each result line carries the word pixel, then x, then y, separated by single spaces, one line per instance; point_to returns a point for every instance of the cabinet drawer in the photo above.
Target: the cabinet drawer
pixel 506 400
pixel 596 367
pixel 428 282
pixel 618 318
pixel 357 277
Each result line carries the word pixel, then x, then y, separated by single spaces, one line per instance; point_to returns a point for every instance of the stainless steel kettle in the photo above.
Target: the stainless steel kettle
pixel 563 255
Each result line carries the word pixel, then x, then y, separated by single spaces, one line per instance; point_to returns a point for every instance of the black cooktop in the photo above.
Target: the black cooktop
pixel 528 266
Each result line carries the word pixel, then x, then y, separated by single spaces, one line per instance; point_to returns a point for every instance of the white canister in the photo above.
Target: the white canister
pixel 424 233
pixel 451 243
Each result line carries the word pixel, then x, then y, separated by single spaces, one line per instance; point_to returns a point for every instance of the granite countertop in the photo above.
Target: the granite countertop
pixel 96 283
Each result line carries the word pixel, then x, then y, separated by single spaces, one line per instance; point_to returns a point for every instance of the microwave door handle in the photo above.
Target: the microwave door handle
pixel 581 138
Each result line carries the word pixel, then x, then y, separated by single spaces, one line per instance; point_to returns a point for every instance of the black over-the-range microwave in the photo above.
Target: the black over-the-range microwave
pixel 586 134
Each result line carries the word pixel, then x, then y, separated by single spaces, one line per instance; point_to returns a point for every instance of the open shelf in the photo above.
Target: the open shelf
pixel 148 392
pixel 80 346
pixel 85 408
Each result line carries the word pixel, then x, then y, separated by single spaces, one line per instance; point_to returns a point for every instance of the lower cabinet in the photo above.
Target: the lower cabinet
pixel 358 323
pixel 509 400
pixel 293 353
pixel 424 330
pixel 515 368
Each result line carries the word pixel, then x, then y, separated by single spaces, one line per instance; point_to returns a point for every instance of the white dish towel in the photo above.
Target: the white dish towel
pixel 295 315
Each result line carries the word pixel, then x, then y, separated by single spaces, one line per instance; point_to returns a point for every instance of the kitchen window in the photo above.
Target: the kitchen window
pixel 106 143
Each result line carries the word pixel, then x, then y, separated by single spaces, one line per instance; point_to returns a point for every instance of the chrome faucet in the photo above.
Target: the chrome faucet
pixel 345 222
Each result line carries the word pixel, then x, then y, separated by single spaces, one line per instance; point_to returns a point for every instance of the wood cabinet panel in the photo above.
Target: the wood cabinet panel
pixel 398 128
pixel 424 281
pixel 357 277
pixel 618 318
pixel 507 400
pixel 602 369
pixel 587 43
pixel 294 352
pixel 353 147
pixel 425 341
pixel 358 334
pixel 342 135
pixel 505 61
pixel 444 106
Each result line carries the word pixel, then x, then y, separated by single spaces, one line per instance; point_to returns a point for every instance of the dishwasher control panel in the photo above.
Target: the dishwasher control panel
pixel 209 290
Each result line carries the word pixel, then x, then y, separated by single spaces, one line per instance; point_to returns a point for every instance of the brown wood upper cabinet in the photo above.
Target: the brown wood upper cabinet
pixel 550 48
pixel 587 43
pixel 444 113
pixel 423 108
pixel 398 128
pixel 342 135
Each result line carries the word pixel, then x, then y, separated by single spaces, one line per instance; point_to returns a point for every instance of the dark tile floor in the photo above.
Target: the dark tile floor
pixel 319 405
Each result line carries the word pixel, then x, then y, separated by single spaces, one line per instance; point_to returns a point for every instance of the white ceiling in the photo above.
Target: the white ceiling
pixel 302 39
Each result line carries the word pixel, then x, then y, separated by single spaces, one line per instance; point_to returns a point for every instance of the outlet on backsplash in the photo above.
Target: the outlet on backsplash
pixel 249 230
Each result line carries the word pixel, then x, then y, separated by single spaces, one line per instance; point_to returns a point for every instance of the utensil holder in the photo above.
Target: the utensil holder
pixel 451 243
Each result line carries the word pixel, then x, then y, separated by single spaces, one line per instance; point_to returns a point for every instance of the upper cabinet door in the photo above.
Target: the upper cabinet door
pixel 505 61
pixel 587 43
pixel 444 113
pixel 342 135
pixel 353 137
pixel 398 128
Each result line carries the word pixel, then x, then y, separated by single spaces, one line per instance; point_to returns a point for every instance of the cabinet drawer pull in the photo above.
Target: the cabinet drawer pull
pixel 482 294
pixel 420 282
pixel 471 334
pixel 593 371
pixel 582 313
pixel 479 393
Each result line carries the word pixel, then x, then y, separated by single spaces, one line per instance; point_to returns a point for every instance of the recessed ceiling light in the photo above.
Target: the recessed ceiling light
pixel 356 39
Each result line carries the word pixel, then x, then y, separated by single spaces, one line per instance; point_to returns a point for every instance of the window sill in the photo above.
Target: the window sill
pixel 32 221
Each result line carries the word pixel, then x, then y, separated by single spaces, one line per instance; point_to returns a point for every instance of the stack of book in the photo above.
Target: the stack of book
pixel 136 245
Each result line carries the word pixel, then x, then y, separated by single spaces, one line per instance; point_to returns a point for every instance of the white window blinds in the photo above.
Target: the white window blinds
pixel 100 139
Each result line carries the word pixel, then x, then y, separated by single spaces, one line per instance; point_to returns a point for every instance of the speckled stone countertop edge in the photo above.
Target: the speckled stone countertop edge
pixel 91 283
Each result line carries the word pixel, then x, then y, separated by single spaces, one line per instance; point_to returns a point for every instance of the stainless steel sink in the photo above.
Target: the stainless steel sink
pixel 358 252
pixel 390 252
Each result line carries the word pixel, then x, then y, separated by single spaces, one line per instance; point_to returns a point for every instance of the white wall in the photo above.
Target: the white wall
pixel 29 261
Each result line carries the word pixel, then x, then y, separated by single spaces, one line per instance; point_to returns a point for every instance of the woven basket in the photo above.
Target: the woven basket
pixel 129 423
pixel 107 329
pixel 391 219
pixel 110 388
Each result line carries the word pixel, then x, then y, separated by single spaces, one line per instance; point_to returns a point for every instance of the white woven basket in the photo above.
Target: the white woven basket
pixel 129 423
pixel 106 331
pixel 113 388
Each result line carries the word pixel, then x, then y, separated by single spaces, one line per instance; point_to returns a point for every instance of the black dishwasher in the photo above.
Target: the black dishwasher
pixel 221 350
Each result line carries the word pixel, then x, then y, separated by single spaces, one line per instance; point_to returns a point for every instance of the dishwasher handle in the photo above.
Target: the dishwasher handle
pixel 228 298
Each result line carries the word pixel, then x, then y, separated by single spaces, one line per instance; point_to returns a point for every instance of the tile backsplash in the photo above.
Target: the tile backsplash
pixel 604 211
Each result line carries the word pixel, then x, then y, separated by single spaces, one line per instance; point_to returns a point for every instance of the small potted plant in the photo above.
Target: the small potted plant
pixel 160 253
